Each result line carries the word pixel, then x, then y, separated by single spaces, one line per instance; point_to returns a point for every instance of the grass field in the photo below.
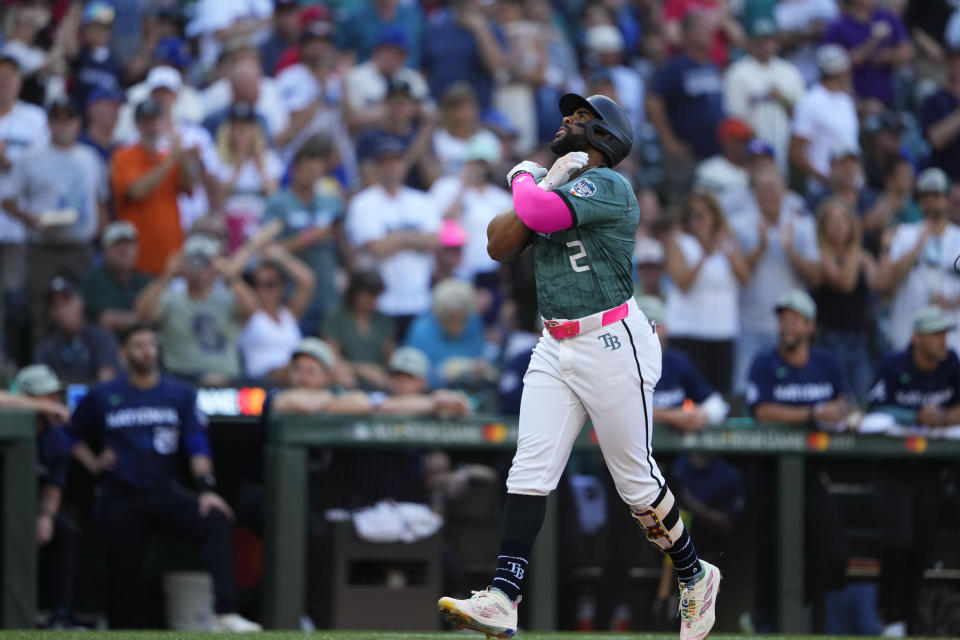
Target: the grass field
pixel 369 635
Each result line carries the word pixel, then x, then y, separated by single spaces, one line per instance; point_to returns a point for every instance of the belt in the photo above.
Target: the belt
pixel 560 329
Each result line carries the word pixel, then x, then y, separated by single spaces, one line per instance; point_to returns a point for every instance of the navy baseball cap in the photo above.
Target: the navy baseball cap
pixel 242 111
pixel 394 37
pixel 100 93
pixel 389 146
pixel 174 52
pixel 61 108
pixel 148 110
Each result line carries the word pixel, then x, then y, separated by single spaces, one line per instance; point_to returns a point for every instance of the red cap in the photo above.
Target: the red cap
pixel 313 13
pixel 734 128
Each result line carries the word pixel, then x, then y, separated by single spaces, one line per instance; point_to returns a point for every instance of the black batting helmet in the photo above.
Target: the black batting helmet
pixel 610 132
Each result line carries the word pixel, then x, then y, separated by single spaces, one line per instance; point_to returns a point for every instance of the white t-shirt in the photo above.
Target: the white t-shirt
pixel 799 15
pixel 629 86
pixel 746 95
pixel 267 344
pixel 372 215
pixel 248 199
pixel 29 58
pixel 725 180
pixel 210 16
pixel 826 120
pixel 366 86
pixel 23 129
pixel 932 274
pixel 453 152
pixel 707 310
pixel 774 274
pixel 478 208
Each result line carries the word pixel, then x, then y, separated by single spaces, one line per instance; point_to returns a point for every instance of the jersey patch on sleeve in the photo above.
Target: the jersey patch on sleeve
pixel 583 188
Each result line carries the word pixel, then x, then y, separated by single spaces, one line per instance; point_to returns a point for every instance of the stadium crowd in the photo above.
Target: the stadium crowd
pixel 295 195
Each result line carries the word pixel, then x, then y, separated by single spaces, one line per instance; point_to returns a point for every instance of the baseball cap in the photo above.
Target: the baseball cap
pixel 649 251
pixel 763 27
pixel 397 87
pixel 117 231
pixel 313 13
pixel 652 307
pixel 886 121
pixel 173 52
pixel 760 147
pixel 62 286
pixel 931 319
pixel 798 301
pixel 411 361
pixel 842 151
pixel 932 180
pixel 452 234
pixel 242 111
pixel 164 77
pixel 100 93
pixel 393 36
pixel 6 58
pixel 148 110
pixel 484 147
pixel 316 349
pixel 61 108
pixel 832 59
pixel 37 380
pixel 604 38
pixel 389 145
pixel 317 30
pixel 734 128
pixel 98 12
pixel 201 245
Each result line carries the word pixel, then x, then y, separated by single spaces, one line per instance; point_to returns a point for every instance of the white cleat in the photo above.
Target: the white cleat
pixel 233 623
pixel 698 604
pixel 489 611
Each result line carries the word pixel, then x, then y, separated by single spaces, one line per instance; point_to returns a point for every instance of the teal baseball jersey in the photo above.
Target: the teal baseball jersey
pixel 589 267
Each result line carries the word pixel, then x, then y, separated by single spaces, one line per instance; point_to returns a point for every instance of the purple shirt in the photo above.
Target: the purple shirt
pixel 869 79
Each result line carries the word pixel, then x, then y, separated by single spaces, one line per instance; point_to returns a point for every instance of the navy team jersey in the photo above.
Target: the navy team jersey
pixel 144 427
pixel 53 457
pixel 679 380
pixel 773 380
pixel 900 384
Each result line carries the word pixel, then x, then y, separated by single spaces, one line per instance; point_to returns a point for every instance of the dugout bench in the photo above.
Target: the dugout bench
pixel 290 438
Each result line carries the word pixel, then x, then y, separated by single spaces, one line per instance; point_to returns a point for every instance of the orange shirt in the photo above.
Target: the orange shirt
pixel 157 217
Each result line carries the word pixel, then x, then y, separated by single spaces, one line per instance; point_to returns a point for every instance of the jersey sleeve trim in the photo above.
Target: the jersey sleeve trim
pixel 573 211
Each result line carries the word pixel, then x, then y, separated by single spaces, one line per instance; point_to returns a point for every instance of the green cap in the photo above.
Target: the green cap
pixel 201 245
pixel 762 27
pixel 316 349
pixel 652 307
pixel 798 301
pixel 37 380
pixel 411 361
pixel 117 231
pixel 931 319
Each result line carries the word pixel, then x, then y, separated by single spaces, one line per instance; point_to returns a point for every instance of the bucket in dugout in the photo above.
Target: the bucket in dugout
pixel 189 600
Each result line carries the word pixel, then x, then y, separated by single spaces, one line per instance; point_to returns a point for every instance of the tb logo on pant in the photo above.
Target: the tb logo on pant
pixel 610 341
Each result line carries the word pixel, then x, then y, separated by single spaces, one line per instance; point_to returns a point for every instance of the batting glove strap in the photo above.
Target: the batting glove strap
pixel 527 166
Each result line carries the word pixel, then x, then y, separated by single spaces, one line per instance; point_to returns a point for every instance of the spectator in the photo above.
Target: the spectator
pixel 878 44
pixel 102 111
pixel 651 260
pixel 779 240
pixel 723 29
pixel 846 181
pixel 681 383
pixel 824 119
pixel 25 44
pixel 448 256
pixel 272 332
pixel 796 383
pixel 473 198
pixel 361 28
pixel 58 191
pixel 685 104
pixel 706 266
pixel 145 185
pixel 185 102
pixel 940 119
pixel 312 224
pixel 95 66
pixel 460 45
pixel 216 25
pixel 110 290
pixel 605 51
pixel 409 369
pixel 248 171
pixel 762 88
pixel 883 144
pixel 846 310
pixel 77 351
pixel 920 385
pixel 38 390
pixel 244 82
pixel 397 227
pixel 452 337
pixel 139 490
pixel 459 128
pixel 367 84
pixel 363 337
pixel 725 176
pixel 895 204
pixel 917 270
pixel 311 369
pixel 23 128
pixel 284 34
pixel 199 326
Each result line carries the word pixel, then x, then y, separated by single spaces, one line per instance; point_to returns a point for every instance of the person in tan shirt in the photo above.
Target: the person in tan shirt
pixel 145 184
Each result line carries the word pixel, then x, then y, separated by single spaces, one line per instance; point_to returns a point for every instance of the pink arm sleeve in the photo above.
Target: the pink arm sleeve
pixel 542 211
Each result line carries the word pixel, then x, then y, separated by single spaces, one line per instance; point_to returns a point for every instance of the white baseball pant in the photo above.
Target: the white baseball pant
pixel 607 374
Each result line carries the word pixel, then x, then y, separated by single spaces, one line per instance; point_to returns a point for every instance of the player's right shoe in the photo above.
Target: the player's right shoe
pixel 698 604
pixel 489 611
pixel 233 623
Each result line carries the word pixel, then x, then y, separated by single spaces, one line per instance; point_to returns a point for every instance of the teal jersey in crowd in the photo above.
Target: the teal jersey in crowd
pixel 589 267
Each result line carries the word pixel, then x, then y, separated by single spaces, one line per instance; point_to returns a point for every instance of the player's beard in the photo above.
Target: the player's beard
pixel 570 142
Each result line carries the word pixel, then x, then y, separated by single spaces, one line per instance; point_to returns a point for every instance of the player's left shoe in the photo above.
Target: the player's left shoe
pixel 698 604
pixel 233 623
pixel 489 611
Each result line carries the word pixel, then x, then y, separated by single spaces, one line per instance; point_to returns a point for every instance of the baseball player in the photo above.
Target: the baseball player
pixel 598 357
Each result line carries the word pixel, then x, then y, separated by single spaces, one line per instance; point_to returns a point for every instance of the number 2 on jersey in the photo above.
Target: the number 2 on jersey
pixel 582 254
